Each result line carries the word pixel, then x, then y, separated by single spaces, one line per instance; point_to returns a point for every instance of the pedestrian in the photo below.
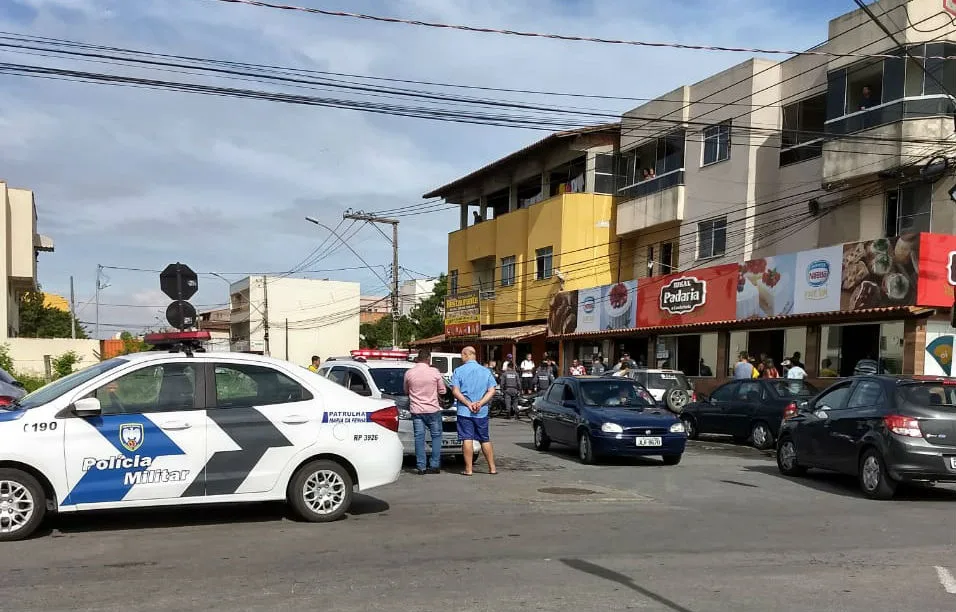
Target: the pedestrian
pixel 866 366
pixel 510 388
pixel 796 372
pixel 576 368
pixel 314 367
pixel 473 387
pixel 795 360
pixel 543 377
pixel 743 370
pixel 508 362
pixel 597 367
pixel 769 370
pixel 423 385
pixel 527 374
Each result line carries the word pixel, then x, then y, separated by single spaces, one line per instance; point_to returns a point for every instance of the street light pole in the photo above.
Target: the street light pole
pixel 359 216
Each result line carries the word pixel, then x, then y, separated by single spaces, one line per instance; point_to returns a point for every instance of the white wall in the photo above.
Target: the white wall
pixel 28 353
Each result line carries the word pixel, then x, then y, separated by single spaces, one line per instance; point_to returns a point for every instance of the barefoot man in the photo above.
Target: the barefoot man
pixel 473 387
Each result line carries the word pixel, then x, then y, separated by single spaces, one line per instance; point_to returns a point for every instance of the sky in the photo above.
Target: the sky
pixel 140 178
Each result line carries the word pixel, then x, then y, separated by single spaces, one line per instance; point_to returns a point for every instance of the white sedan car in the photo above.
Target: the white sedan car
pixel 167 428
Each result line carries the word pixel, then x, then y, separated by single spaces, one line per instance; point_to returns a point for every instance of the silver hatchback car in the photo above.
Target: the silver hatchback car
pixel 385 379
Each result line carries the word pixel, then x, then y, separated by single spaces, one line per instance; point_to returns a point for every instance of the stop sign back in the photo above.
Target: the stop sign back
pixel 178 281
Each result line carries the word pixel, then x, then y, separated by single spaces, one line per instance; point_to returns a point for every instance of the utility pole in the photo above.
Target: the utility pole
pixel 72 310
pixel 360 216
pixel 96 333
pixel 265 313
pixel 287 339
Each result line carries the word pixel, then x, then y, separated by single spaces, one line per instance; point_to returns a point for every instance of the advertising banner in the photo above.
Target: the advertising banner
pixel 463 315
pixel 818 274
pixel 696 296
pixel 937 270
pixel 765 287
pixel 608 307
pixel 880 273
pixel 563 313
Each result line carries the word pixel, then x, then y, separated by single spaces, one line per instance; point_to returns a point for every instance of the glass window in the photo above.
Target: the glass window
pixel 55 389
pixel 891 348
pixel 915 208
pixel 749 392
pixel 650 261
pixel 795 389
pixel 568 394
pixel 252 385
pixel 867 393
pixel 864 85
pixel 665 380
pixel 543 263
pixel 803 121
pixel 614 392
pixel 670 151
pixel 339 376
pixel 717 143
pixel 830 340
pixel 556 393
pixel 453 282
pixel 711 238
pixel 738 343
pixel 836 94
pixel 937 395
pixel 508 271
pixel 165 387
pixel 834 398
pixel 441 363
pixel 390 381
pixel 667 258
pixel 603 173
pixel 725 393
pixel 944 72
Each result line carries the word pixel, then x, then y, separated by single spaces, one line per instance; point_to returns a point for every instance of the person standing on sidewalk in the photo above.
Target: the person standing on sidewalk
pixel 597 368
pixel 511 389
pixel 576 368
pixel 423 384
pixel 527 375
pixel 473 387
pixel 743 370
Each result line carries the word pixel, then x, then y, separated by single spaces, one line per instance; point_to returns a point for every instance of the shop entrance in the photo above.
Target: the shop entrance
pixel 858 342
pixel 769 343
pixel 635 347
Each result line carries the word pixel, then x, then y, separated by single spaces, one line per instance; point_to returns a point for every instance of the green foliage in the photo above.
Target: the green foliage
pixel 425 320
pixel 132 344
pixel 39 321
pixel 379 335
pixel 30 382
pixel 231 384
pixel 6 362
pixel 64 364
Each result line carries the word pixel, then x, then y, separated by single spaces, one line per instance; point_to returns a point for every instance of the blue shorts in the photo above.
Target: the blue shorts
pixel 473 428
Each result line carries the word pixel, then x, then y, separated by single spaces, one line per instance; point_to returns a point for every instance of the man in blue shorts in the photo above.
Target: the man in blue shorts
pixel 473 386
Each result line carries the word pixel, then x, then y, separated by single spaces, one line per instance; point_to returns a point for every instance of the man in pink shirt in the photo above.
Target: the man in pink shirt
pixel 423 384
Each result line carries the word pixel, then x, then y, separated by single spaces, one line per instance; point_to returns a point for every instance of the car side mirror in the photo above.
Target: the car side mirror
pixel 86 407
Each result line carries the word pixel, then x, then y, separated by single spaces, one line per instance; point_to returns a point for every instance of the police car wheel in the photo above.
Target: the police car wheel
pixel 22 505
pixel 321 491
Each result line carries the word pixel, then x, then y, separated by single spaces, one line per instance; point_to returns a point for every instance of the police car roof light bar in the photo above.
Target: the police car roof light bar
pixel 186 342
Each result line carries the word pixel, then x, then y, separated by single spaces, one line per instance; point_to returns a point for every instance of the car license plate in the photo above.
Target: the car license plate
pixel 447 442
pixel 952 462
pixel 649 442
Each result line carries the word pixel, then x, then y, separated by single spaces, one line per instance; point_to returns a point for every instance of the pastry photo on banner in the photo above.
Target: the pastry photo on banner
pixel 880 273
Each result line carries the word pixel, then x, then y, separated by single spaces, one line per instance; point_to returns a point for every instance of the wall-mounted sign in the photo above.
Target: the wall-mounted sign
pixel 463 315
pixel 683 295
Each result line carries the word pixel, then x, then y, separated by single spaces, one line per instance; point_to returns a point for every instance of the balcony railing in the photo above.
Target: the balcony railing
pixel 891 112
pixel 652 186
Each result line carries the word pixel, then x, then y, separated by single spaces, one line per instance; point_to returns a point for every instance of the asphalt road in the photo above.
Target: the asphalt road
pixel 720 531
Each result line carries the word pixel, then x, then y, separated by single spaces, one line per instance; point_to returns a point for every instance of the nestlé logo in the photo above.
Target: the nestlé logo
pixel 588 304
pixel 683 295
pixel 818 273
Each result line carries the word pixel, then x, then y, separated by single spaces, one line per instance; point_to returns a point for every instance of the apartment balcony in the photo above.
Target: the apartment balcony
pixel 647 204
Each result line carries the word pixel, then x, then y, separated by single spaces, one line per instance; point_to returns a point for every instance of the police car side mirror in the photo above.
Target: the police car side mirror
pixel 89 406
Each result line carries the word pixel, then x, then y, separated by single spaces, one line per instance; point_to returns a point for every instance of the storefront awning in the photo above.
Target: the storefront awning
pixel 502 334
pixel 870 314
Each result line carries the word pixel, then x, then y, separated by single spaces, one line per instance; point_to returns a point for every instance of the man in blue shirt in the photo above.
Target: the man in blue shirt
pixel 473 386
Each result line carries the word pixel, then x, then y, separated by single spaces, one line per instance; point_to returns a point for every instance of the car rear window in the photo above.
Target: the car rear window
pixel 930 394
pixel 666 380
pixel 389 380
pixel 614 392
pixel 793 388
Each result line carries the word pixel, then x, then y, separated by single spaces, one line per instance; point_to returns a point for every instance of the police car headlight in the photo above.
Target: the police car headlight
pixel 677 427
pixel 404 414
pixel 612 428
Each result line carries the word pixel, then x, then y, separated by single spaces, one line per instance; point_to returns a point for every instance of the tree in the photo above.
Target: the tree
pixel 40 321
pixel 64 364
pixel 379 334
pixel 132 344
pixel 428 317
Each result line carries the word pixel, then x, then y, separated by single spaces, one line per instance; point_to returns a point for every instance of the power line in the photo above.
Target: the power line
pixel 563 37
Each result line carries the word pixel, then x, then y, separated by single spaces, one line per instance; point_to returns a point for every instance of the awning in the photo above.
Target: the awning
pixel 870 314
pixel 501 334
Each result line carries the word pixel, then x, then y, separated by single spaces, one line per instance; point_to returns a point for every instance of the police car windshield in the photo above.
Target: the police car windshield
pixel 55 389
pixel 390 381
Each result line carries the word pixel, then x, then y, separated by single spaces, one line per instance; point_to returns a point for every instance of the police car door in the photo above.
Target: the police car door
pixel 148 443
pixel 260 419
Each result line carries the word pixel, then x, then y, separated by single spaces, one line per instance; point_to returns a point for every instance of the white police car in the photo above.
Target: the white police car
pixel 174 428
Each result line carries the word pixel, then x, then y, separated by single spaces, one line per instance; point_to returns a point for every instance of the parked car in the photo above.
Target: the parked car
pixel 670 388
pixel 606 416
pixel 748 410
pixel 385 379
pixel 10 388
pixel 882 429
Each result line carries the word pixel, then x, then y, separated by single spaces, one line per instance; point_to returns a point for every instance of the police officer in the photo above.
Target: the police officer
pixel 510 388
pixel 543 376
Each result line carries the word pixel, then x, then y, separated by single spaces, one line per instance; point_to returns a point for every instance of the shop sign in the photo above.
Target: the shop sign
pixel 880 273
pixel 765 286
pixel 596 309
pixel 463 315
pixel 940 351
pixel 818 275
pixel 563 313
pixel 683 295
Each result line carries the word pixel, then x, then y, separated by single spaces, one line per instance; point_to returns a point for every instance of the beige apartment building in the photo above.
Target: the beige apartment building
pixel 779 159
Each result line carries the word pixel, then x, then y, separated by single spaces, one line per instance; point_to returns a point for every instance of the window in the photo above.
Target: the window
pixel 651 159
pixel 604 173
pixel 749 392
pixel 543 263
pixel 339 376
pixel 834 399
pixel 650 261
pixel 717 143
pixel 803 125
pixel 556 393
pixel 568 395
pixel 614 392
pixel 390 381
pixel 356 381
pixel 453 282
pixel 239 385
pixel 508 271
pixel 165 387
pixel 909 209
pixel 868 393
pixel 725 393
pixel 864 86
pixel 667 258
pixel 792 388
pixel 712 238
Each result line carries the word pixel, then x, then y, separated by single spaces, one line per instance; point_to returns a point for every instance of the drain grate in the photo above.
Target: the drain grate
pixel 566 491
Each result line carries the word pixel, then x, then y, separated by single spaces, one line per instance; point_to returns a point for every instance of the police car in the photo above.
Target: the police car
pixel 174 428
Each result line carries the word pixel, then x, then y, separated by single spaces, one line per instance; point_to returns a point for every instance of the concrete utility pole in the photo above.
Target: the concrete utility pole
pixel 72 311
pixel 360 216
pixel 265 314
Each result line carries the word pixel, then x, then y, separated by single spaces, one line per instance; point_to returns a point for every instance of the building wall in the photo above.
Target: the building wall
pixel 412 292
pixel 28 354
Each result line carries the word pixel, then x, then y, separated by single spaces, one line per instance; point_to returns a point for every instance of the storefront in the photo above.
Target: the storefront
pixel 887 300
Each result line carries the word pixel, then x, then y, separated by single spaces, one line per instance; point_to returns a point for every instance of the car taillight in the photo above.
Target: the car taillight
pixel 386 417
pixel 790 411
pixel 903 425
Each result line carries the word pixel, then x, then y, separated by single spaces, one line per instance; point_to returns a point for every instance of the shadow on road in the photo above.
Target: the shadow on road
pixel 848 486
pixel 603 572
pixel 188 516
pixel 569 454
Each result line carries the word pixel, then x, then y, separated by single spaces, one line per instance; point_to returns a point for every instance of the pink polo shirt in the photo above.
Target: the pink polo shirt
pixel 423 383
